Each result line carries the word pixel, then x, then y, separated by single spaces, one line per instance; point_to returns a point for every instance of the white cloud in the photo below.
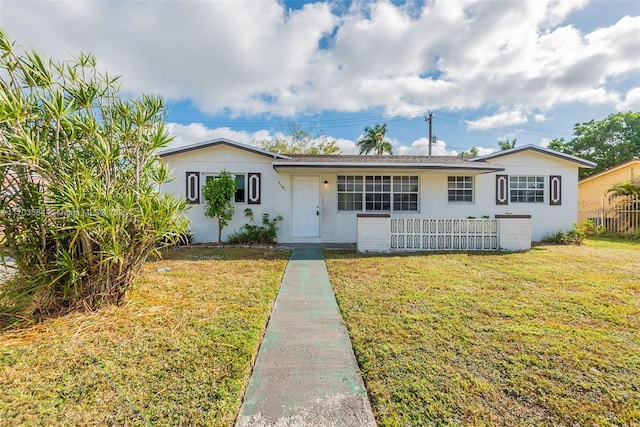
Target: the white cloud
pixel 506 118
pixel 347 146
pixel 256 58
pixel 631 101
pixel 197 132
pixel 421 147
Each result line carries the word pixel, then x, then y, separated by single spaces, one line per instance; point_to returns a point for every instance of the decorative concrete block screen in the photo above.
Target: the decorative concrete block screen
pixel 444 234
pixel 384 233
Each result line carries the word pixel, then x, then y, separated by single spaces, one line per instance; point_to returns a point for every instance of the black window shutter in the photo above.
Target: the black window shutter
pixel 555 190
pixel 193 187
pixel 255 188
pixel 502 189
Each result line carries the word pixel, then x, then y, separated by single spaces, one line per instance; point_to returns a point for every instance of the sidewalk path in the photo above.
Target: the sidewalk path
pixel 305 373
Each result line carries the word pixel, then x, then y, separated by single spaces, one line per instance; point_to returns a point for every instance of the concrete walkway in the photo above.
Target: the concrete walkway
pixel 306 373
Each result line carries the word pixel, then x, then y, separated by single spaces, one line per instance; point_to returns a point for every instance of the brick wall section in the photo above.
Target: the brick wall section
pixel 514 232
pixel 374 232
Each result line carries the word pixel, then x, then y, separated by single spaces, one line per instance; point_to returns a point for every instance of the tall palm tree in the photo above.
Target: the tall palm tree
pixel 374 141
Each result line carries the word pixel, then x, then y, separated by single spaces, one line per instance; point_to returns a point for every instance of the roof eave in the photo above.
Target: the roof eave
pixel 220 141
pixel 567 157
pixel 608 171
pixel 404 166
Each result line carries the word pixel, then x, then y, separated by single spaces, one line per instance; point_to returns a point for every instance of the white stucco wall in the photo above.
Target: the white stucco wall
pixel 342 226
pixel 545 218
pixel 274 193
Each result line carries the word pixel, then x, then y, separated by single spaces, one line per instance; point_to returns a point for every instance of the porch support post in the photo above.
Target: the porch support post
pixel 514 232
pixel 374 232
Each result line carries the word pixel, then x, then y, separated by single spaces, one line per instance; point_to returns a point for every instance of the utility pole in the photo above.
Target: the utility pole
pixel 429 119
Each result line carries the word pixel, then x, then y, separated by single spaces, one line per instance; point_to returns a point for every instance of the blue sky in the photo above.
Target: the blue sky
pixel 488 70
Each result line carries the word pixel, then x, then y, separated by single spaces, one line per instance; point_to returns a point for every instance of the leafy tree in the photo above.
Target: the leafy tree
pixel 472 152
pixel 300 141
pixel 217 193
pixel 608 142
pixel 80 204
pixel 507 144
pixel 374 140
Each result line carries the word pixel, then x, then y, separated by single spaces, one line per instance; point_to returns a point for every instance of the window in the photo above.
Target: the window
pixel 377 193
pixel 239 197
pixel 405 193
pixel 240 193
pixel 526 189
pixel 350 193
pixel 460 188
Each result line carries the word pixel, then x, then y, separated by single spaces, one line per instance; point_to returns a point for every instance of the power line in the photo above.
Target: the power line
pixel 338 123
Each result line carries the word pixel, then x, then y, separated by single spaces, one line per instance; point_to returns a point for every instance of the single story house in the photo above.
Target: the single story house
pixel 596 204
pixel 387 202
pixel 594 189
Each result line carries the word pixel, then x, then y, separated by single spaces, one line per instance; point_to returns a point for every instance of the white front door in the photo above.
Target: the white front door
pixel 306 207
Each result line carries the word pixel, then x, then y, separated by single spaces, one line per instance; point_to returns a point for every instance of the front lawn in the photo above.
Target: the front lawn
pixel 178 353
pixel 547 337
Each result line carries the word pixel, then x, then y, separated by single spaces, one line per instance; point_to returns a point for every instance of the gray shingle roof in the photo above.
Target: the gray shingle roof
pixel 341 158
pixel 382 162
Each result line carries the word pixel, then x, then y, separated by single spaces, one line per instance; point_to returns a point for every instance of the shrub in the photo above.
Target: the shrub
pixel 80 204
pixel 267 232
pixel 575 236
pixel 591 229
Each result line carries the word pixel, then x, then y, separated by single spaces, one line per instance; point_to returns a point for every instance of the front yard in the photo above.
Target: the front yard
pixel 548 337
pixel 178 353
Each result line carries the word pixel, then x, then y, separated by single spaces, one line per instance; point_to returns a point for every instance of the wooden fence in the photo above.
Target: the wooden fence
pixel 618 215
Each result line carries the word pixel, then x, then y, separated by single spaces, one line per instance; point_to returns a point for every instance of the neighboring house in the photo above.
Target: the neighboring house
pixel 595 188
pixel 322 198
pixel 595 203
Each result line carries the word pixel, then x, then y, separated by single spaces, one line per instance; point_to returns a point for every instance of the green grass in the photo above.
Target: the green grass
pixel 547 337
pixel 180 350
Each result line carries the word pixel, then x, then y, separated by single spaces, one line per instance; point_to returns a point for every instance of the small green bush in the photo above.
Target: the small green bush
pixel 591 229
pixel 267 232
pixel 575 236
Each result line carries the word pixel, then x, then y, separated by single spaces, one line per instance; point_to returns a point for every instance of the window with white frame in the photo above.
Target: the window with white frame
pixel 526 189
pixel 377 193
pixel 240 195
pixel 350 193
pixel 460 189
pixel 405 193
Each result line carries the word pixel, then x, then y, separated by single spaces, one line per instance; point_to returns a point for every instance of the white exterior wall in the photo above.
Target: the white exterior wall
pixel 545 218
pixel 374 233
pixel 274 193
pixel 341 227
pixel 514 234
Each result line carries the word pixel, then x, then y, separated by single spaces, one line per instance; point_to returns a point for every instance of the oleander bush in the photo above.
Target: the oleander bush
pixel 81 208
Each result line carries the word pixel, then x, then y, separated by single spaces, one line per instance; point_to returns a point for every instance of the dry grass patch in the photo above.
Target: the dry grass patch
pixel 178 353
pixel 548 337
